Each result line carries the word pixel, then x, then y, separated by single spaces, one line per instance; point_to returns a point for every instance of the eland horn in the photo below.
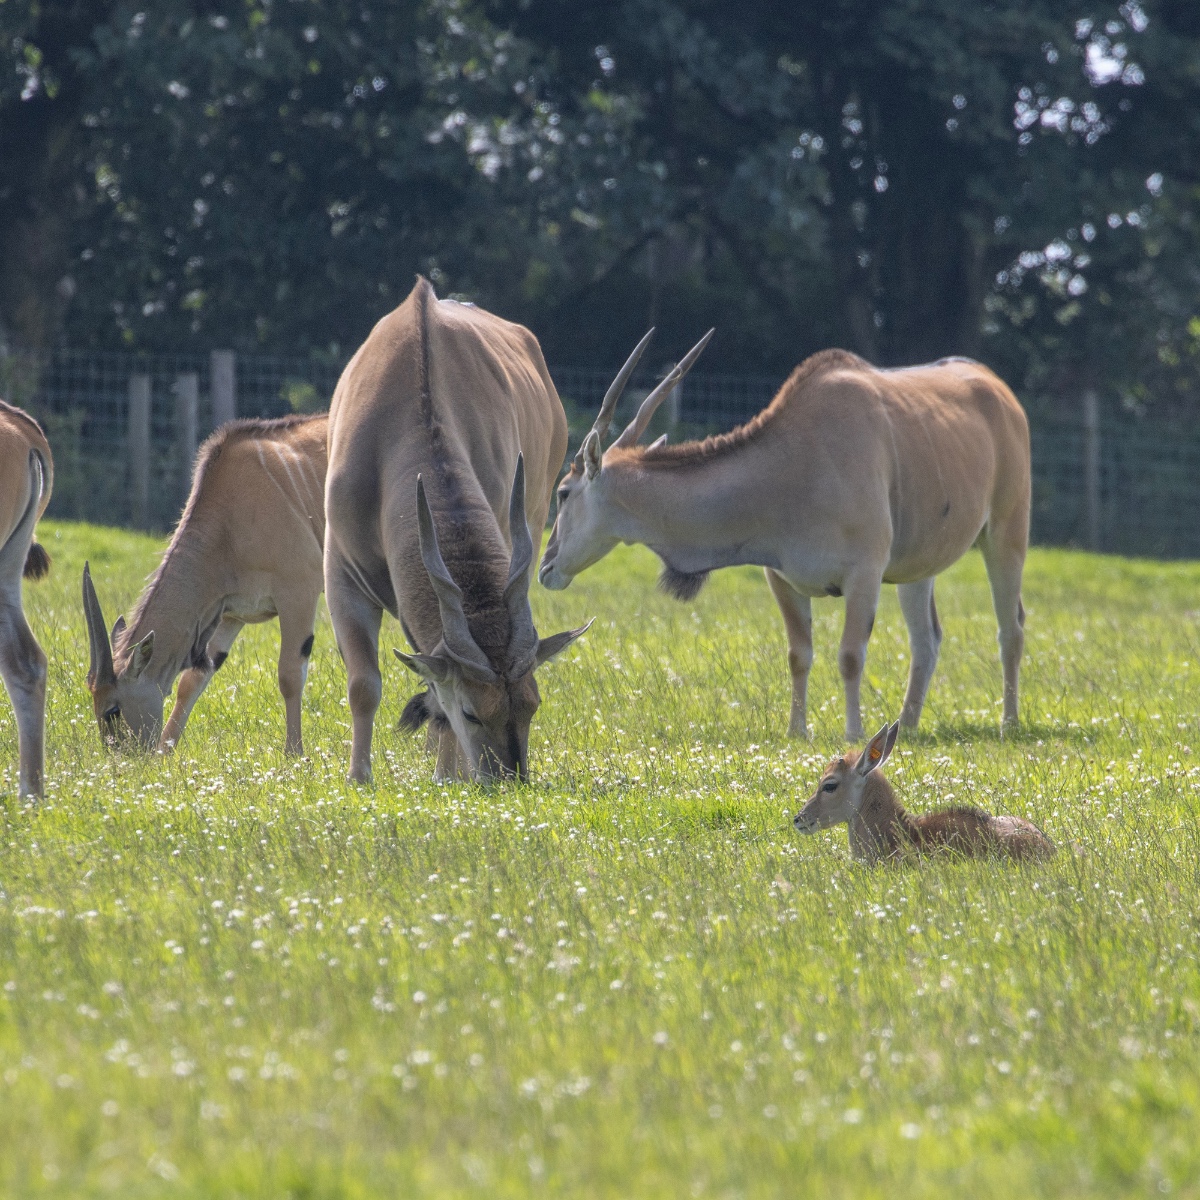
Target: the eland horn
pixel 101 669
pixel 523 638
pixel 636 427
pixel 456 634
pixel 615 390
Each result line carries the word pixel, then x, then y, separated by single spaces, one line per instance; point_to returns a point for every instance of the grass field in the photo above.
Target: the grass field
pixel 230 974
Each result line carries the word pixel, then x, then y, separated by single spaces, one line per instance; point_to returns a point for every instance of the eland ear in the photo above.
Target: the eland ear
pixel 875 752
pixel 592 454
pixel 433 668
pixel 117 629
pixel 139 660
pixel 555 644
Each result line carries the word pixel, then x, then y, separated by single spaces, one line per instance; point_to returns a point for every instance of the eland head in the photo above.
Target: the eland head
pixel 489 705
pixel 582 531
pixel 125 700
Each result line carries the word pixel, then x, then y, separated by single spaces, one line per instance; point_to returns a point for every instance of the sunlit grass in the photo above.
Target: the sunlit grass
pixel 228 973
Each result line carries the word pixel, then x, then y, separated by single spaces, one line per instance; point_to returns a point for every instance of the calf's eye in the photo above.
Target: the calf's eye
pixel 831 786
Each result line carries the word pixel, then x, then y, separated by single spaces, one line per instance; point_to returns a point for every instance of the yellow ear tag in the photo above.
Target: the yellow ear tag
pixel 876 753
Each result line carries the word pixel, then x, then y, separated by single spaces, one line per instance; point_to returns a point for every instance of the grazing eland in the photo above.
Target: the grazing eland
pixel 26 480
pixel 445 438
pixel 247 549
pixel 852 477
pixel 854 791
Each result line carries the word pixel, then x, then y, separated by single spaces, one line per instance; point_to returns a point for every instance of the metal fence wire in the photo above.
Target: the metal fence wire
pixel 1104 477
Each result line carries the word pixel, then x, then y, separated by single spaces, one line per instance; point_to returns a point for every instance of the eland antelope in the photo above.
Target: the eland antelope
pixel 854 791
pixel 852 477
pixel 445 438
pixel 26 480
pixel 247 548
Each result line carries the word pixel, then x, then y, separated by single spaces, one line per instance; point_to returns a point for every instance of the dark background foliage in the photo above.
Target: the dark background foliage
pixel 1014 180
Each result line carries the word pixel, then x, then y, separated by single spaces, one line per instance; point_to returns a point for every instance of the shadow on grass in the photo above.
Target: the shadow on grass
pixel 962 732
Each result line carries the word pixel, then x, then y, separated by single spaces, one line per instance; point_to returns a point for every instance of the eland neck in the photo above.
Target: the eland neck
pixel 881 826
pixel 181 605
pixel 696 516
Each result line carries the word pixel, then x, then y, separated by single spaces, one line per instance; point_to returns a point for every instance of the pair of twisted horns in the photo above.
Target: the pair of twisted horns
pixel 634 430
pixel 460 645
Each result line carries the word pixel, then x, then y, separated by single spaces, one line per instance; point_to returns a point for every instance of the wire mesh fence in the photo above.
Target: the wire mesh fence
pixel 1103 477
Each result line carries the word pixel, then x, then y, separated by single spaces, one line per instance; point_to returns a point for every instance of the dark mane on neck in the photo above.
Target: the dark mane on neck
pixel 239 430
pixel 690 453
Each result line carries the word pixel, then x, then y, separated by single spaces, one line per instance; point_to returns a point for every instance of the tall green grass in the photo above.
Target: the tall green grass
pixel 227 973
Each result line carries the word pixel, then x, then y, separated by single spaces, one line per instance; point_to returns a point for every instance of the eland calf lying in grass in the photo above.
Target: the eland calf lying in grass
pixel 26 478
pixel 852 477
pixel 247 548
pixel 855 792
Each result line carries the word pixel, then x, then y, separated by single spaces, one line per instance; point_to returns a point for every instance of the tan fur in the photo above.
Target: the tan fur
pixel 851 477
pixel 26 481
pixel 880 828
pixel 247 548
pixel 452 394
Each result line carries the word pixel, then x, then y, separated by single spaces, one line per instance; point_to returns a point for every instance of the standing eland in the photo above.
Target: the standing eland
pixel 445 438
pixel 852 477
pixel 247 548
pixel 26 480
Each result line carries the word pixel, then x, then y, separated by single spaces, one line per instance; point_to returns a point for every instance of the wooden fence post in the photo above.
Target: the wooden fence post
pixel 223 388
pixel 187 412
pixel 1091 467
pixel 139 450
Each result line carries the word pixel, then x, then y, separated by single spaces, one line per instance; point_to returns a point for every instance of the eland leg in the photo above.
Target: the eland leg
pixel 862 599
pixel 23 669
pixel 924 639
pixel 1003 547
pixel 296 620
pixel 797 622
pixel 194 680
pixel 356 622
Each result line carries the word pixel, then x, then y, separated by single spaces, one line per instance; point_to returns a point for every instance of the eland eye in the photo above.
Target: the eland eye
pixel 563 493
pixel 831 786
pixel 113 713
pixel 471 718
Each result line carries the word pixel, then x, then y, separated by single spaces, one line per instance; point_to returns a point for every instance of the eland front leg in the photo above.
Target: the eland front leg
pixel 924 640
pixel 862 599
pixel 797 621
pixel 194 680
pixel 356 621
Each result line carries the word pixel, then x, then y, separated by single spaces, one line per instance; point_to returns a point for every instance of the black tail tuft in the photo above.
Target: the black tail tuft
pixel 681 584
pixel 37 562
pixel 415 714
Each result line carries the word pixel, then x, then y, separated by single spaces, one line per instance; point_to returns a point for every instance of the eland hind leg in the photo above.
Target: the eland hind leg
pixel 1003 544
pixel 23 669
pixel 797 622
pixel 22 662
pixel 924 639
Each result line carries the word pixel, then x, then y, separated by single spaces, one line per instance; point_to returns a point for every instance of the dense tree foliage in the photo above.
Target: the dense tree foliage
pixel 908 178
